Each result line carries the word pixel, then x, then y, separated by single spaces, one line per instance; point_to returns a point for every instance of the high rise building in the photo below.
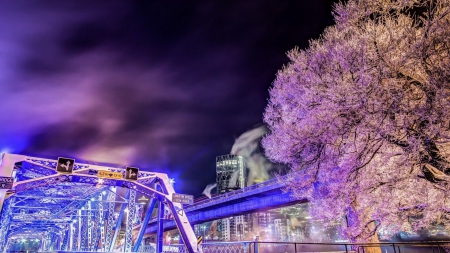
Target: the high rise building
pixel 230 171
pixel 225 229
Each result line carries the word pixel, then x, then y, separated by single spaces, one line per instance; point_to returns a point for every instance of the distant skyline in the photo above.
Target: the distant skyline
pixel 160 85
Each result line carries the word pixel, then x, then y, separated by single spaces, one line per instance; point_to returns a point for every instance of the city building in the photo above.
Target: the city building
pixel 230 172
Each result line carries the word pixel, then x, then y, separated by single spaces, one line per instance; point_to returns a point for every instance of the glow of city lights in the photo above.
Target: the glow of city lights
pixel 172 181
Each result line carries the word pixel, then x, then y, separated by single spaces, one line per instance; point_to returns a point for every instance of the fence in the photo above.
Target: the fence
pixel 302 247
pixel 220 247
pixel 386 247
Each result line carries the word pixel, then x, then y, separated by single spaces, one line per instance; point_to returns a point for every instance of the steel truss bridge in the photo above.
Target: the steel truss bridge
pixel 80 211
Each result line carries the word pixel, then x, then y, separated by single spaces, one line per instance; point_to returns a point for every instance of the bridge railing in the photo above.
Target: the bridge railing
pixel 219 247
pixel 386 247
pixel 275 182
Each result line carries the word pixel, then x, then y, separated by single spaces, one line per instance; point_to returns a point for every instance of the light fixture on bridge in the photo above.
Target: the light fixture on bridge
pixel 172 181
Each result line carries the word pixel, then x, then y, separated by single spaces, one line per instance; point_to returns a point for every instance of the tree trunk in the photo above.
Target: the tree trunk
pixel 373 239
pixel 369 232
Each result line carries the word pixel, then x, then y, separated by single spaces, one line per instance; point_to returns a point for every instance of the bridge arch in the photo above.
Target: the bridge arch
pixel 79 210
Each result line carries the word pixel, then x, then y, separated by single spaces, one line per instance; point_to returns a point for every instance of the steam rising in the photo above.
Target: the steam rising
pixel 259 167
pixel 248 146
pixel 208 189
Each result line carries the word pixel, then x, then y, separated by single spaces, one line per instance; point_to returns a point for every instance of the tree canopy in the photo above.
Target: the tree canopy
pixel 362 117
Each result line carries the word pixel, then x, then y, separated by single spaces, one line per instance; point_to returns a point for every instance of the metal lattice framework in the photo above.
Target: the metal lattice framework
pixel 49 210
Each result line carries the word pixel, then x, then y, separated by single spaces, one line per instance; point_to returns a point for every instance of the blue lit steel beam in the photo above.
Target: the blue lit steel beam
pixel 90 226
pixel 110 220
pixel 118 223
pixel 79 230
pixel 5 219
pixel 223 211
pixel 160 229
pixel 180 217
pixel 142 185
pixel 66 240
pixel 7 164
pixel 71 237
pixel 130 219
pixel 84 231
pixel 144 224
pixel 101 222
pixel 44 170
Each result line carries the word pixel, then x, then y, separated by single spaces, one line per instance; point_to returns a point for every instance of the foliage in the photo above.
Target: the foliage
pixel 362 117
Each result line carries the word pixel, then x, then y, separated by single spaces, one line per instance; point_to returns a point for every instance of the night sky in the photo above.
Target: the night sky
pixel 161 85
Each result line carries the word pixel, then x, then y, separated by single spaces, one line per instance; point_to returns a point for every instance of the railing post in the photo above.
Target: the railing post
pixel 256 245
pixel 346 250
pixel 393 246
pixel 295 247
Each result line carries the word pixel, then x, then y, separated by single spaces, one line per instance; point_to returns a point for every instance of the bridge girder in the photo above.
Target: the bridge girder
pixel 74 207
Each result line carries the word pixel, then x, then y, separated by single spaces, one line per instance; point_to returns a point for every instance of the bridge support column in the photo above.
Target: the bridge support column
pixel 84 241
pixel 148 215
pixel 160 229
pixel 71 235
pixel 130 219
pixel 89 226
pixel 4 224
pixel 110 222
pixel 118 224
pixel 66 240
pixel 6 170
pixel 96 222
pixel 101 223
pixel 77 245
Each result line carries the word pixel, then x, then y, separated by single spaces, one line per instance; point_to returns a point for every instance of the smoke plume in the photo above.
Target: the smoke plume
pixel 208 189
pixel 248 146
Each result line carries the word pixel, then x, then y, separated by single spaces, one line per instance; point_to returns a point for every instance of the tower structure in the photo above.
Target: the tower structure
pixel 230 172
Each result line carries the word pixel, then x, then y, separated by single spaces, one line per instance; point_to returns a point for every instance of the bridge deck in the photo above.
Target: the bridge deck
pixel 259 197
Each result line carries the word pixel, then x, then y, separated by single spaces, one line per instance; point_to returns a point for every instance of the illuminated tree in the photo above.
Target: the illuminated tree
pixel 363 115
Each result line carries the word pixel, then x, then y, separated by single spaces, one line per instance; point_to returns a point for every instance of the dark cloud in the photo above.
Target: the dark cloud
pixel 163 85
